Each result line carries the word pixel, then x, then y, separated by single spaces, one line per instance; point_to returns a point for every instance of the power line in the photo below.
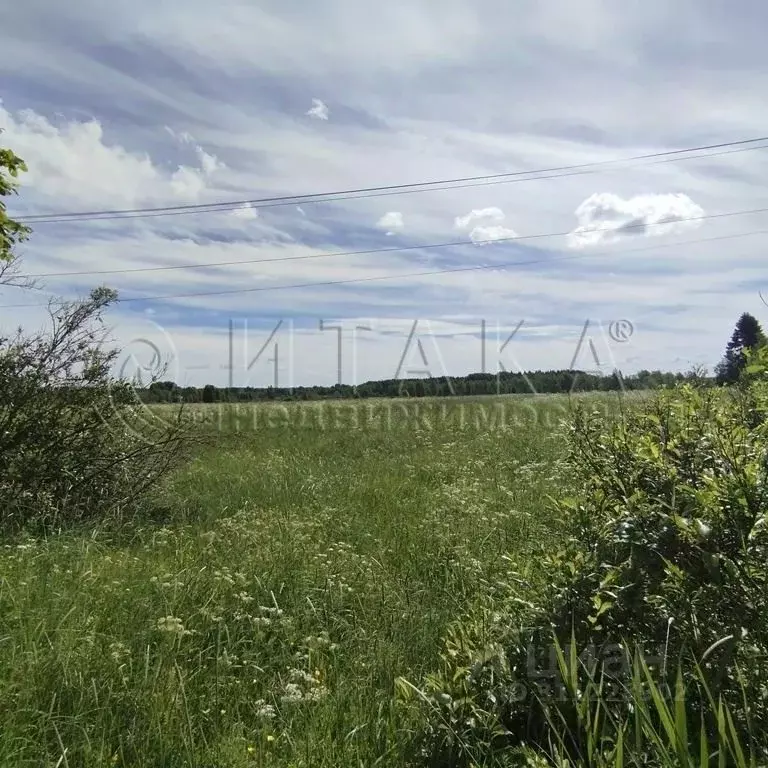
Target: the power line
pixel 393 249
pixel 516 177
pixel 396 189
pixel 375 278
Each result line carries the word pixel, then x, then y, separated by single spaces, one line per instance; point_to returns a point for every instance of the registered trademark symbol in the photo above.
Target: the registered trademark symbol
pixel 621 330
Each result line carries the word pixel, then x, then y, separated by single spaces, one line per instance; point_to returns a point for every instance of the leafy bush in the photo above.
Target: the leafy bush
pixel 666 553
pixel 74 445
pixel 658 726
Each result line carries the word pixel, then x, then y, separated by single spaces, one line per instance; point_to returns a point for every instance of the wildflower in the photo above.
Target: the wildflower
pixel 317 693
pixel 264 710
pixel 173 625
pixel 292 694
pixel 299 675
pixel 317 642
pixel 118 652
pixel 224 576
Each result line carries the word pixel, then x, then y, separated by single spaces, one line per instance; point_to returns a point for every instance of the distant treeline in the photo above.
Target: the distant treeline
pixel 540 382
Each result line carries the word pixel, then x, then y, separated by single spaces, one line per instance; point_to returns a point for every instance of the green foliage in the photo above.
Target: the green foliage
pixel 209 393
pixel 747 337
pixel 473 384
pixel 655 725
pixel 661 726
pixel 666 552
pixel 670 520
pixel 11 232
pixel 75 444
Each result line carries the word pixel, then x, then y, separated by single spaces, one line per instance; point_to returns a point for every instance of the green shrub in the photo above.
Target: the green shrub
pixel 656 727
pixel 74 444
pixel 666 553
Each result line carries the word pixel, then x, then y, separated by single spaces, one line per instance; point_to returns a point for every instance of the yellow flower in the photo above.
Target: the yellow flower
pixel 251 749
pixel 270 738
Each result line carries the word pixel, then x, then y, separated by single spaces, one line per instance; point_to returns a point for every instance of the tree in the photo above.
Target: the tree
pixel 11 232
pixel 209 393
pixel 747 335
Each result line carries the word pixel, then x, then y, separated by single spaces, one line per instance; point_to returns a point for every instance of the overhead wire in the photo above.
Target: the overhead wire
pixel 743 145
pixel 372 251
pixel 497 265
pixel 517 176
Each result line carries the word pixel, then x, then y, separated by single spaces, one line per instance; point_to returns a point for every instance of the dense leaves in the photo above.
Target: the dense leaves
pixel 11 232
pixel 666 556
pixel 73 441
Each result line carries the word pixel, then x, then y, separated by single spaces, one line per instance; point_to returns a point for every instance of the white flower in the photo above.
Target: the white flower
pixel 300 676
pixel 173 625
pixel 317 693
pixel 264 710
pixel 119 652
pixel 292 694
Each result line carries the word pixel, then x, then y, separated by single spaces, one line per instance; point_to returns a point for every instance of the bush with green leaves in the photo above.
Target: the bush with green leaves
pixel 666 553
pixel 74 441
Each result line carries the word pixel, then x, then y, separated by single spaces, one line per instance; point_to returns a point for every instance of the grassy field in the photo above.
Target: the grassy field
pixel 305 558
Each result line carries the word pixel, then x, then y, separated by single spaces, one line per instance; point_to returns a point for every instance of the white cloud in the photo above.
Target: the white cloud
pixel 209 163
pixel 492 214
pixel 246 212
pixel 605 217
pixel 187 183
pixel 319 110
pixel 73 165
pixel 391 222
pixel 634 89
pixel 183 137
pixel 484 235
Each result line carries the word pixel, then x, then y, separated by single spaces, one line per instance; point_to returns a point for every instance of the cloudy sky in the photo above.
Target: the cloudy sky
pixel 145 104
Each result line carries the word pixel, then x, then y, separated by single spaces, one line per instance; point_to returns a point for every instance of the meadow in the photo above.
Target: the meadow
pixel 306 557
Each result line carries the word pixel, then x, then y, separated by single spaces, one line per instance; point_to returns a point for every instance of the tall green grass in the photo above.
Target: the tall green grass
pixel 309 556
pixel 660 729
pixel 636 721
